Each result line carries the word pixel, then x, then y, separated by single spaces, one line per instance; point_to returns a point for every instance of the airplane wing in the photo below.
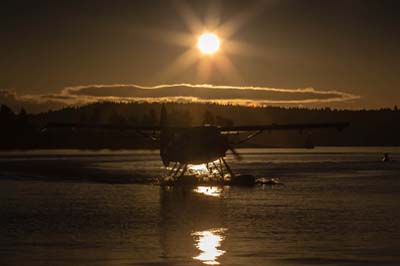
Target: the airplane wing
pixel 271 127
pixel 261 128
pixel 151 132
pixel 103 126
pixel 224 129
pixel 154 132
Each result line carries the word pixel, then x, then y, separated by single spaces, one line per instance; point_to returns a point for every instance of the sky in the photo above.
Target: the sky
pixel 309 53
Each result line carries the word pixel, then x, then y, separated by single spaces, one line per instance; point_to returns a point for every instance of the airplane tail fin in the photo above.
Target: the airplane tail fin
pixel 163 117
pixel 164 136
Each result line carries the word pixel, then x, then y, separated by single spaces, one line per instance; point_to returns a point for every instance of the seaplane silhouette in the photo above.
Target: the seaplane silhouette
pixel 208 144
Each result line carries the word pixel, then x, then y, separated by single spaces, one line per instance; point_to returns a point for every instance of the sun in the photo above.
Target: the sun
pixel 208 43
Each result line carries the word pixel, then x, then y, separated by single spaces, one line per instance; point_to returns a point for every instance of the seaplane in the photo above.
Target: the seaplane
pixel 201 145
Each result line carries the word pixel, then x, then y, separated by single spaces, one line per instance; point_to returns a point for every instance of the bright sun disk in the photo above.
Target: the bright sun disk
pixel 208 43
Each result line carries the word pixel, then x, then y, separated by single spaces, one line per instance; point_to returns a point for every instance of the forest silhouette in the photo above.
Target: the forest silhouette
pixel 28 131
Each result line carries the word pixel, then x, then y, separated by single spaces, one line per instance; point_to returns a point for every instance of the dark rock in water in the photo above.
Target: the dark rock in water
pixel 243 180
pixel 268 181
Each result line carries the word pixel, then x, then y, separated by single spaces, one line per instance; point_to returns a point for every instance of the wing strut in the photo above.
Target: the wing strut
pixel 249 137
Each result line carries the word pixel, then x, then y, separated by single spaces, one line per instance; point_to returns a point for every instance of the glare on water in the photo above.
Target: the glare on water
pixel 201 168
pixel 339 206
pixel 208 191
pixel 209 243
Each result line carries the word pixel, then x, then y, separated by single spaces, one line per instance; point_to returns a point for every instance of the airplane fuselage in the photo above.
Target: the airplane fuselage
pixel 194 145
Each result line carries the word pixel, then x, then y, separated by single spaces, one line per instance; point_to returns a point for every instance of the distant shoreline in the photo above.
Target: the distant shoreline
pixel 156 149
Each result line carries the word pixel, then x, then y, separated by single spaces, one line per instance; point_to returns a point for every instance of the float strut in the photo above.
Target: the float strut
pixel 183 171
pixel 177 170
pixel 227 167
pixel 219 170
pixel 172 169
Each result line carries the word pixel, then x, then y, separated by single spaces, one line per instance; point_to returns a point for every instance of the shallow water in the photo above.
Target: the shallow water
pixel 339 206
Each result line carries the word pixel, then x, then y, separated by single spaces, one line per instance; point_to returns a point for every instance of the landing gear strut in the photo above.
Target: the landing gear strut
pixel 221 168
pixel 178 170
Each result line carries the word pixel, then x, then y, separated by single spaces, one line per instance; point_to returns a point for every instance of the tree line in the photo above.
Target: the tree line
pixel 21 130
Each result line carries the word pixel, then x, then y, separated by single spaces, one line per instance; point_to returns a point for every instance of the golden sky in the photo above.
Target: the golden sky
pixel 346 47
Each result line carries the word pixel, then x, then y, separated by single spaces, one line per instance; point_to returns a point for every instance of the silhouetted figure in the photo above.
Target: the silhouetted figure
pixel 386 157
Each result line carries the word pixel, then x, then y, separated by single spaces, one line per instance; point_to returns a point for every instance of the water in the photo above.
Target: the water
pixel 339 206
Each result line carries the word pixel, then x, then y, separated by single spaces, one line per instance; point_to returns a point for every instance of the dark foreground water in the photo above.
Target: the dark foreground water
pixel 339 206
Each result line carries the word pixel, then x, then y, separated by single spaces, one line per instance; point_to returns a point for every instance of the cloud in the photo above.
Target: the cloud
pixel 242 95
pixel 206 92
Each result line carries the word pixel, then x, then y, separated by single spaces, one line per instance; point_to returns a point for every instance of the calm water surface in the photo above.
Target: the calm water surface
pixel 339 206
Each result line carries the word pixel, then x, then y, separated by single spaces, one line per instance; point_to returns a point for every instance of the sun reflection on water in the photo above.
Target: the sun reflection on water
pixel 208 191
pixel 209 242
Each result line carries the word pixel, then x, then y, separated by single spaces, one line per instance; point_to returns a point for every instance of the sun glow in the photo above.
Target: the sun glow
pixel 204 38
pixel 208 43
